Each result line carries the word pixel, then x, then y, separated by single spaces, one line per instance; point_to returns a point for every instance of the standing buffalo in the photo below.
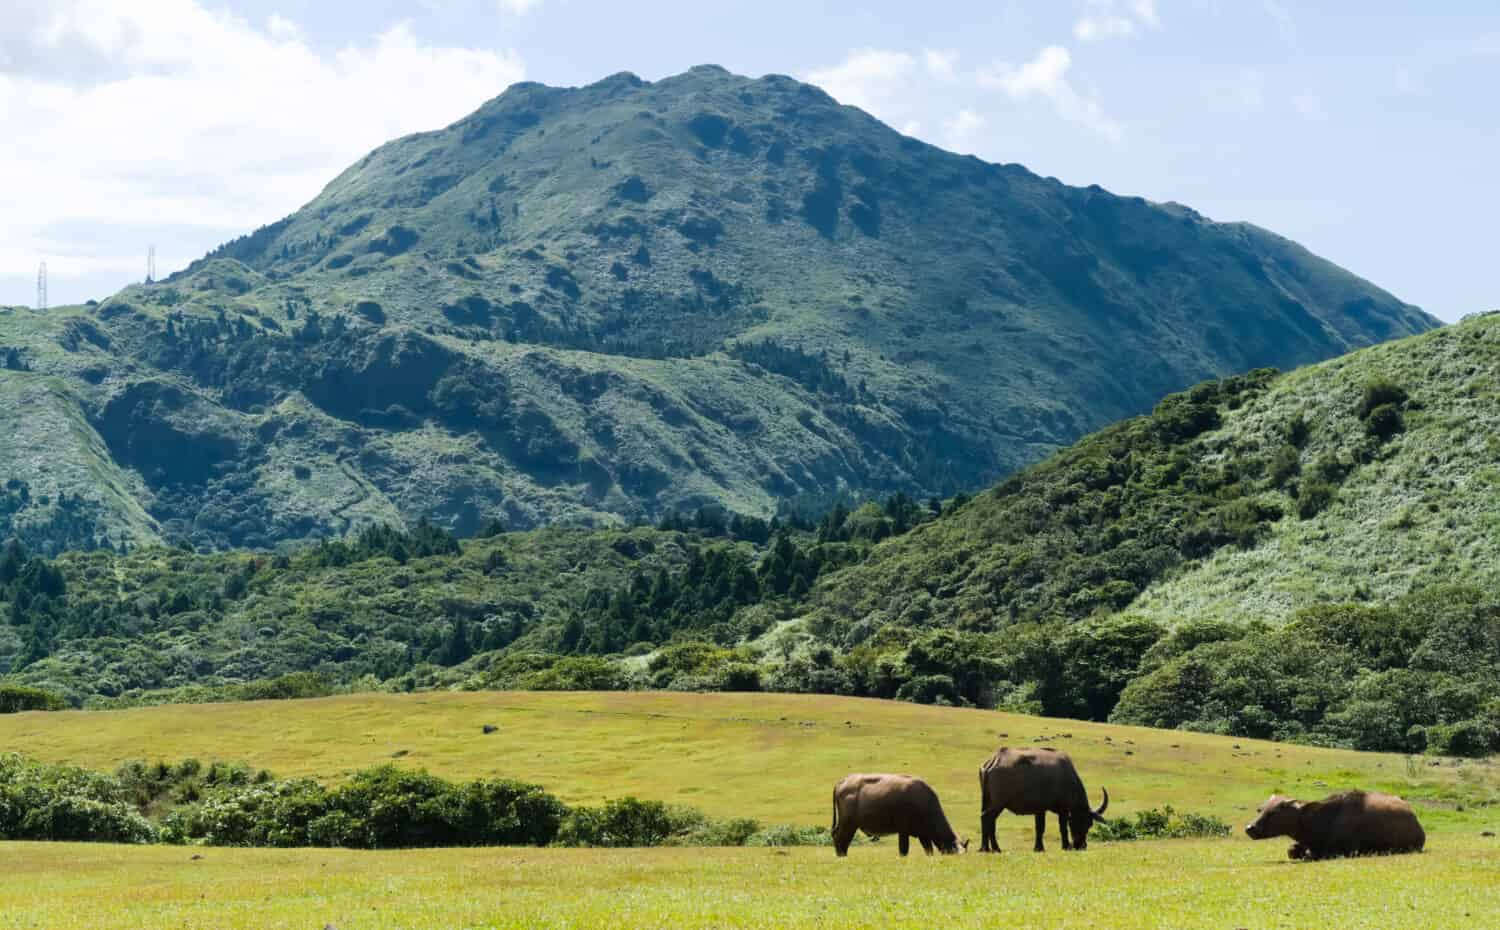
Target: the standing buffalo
pixel 1035 781
pixel 884 804
pixel 1350 824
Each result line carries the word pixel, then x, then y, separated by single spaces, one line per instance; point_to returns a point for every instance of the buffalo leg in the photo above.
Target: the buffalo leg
pixel 926 844
pixel 1041 828
pixel 1062 828
pixel 987 841
pixel 842 837
pixel 905 844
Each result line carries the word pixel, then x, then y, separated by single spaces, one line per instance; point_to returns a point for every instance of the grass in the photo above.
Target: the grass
pixel 1424 512
pixel 769 756
pixel 1170 884
pixel 773 757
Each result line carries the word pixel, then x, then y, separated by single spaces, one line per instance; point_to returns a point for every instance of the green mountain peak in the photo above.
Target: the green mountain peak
pixel 605 303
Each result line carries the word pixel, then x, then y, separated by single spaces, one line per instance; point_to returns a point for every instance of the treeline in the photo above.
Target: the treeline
pixel 706 598
pixel 44 614
pixel 384 807
pixel 1416 675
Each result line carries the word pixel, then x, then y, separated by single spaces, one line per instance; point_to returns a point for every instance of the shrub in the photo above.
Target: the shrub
pixel 71 818
pixel 624 822
pixel 1380 392
pixel 1165 823
pixel 1471 738
pixel 930 689
pixel 785 835
pixel 1313 497
pixel 578 673
pixel 734 832
pixel 61 803
pixel 17 698
pixel 291 686
pixel 1385 421
pixel 379 808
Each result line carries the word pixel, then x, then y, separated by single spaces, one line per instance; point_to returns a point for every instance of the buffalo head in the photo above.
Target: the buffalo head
pixel 1277 817
pixel 1083 820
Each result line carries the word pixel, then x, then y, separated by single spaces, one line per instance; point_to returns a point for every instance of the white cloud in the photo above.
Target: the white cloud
pixel 1145 11
pixel 519 7
pixel 1047 76
pixel 941 65
pixel 875 80
pixel 1103 26
pixel 960 131
pixel 1115 19
pixel 177 117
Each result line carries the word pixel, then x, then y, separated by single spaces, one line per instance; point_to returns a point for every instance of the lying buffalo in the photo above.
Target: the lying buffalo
pixel 1350 824
pixel 1038 782
pixel 884 804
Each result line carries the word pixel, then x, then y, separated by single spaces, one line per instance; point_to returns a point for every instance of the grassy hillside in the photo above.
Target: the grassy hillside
pixel 1423 510
pixel 1245 500
pixel 612 301
pixel 774 757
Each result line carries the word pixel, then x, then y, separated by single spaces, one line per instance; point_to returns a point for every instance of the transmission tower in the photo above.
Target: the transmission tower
pixel 41 286
pixel 150 264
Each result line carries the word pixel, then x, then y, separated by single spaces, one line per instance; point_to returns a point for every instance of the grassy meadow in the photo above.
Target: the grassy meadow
pixel 1167 884
pixel 773 757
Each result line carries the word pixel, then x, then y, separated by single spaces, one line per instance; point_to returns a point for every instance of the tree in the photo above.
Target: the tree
pixel 456 648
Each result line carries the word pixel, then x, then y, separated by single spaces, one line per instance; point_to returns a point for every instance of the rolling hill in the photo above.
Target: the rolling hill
pixel 771 757
pixel 605 303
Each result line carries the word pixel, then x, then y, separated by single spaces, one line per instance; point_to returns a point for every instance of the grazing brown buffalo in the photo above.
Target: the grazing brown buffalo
pixel 884 804
pixel 1037 782
pixel 1350 824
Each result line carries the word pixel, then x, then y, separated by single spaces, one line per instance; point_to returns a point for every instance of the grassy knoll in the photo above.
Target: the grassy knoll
pixel 1170 884
pixel 772 757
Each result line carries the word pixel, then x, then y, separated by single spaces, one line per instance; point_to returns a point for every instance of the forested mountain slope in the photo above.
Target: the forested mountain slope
pixel 1305 556
pixel 610 302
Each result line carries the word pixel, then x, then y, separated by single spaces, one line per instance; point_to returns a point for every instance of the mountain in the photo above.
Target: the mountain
pixel 1308 556
pixel 611 302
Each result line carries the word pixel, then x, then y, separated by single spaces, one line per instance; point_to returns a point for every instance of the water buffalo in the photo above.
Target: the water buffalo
pixel 1350 824
pixel 1035 781
pixel 884 804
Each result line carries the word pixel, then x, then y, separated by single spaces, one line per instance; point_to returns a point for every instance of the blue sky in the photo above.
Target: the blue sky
pixel 1366 131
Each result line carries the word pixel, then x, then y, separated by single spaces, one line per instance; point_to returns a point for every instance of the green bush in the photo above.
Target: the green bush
pixel 285 687
pixel 624 822
pixel 1385 421
pixel 785 835
pixel 39 801
pixel 1380 392
pixel 1313 497
pixel 17 698
pixel 578 673
pixel 1166 823
pixel 380 808
pixel 1474 739
pixel 734 832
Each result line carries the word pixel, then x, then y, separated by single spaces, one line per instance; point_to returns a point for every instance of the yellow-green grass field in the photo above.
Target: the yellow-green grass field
pixel 773 757
pixel 1178 884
